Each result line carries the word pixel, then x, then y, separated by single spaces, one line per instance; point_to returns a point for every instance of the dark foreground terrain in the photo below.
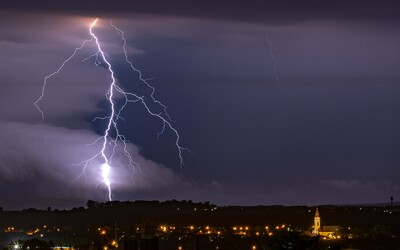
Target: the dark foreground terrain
pixel 189 225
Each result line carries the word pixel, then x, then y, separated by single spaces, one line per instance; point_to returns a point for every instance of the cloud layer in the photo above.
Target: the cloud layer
pixel 329 125
pixel 45 159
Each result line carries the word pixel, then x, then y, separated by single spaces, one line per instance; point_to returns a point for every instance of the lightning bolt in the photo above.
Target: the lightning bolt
pixel 112 119
pixel 105 168
pixel 271 53
pixel 55 73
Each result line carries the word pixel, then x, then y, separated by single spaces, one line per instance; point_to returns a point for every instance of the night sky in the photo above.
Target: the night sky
pixel 295 102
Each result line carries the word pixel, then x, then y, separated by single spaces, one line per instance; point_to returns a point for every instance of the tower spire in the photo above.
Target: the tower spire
pixel 317 222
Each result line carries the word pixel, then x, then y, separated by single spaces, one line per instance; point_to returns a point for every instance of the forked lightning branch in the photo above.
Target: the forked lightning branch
pixel 109 143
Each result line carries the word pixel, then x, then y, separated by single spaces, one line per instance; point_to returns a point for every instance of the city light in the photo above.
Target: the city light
pixel 17 246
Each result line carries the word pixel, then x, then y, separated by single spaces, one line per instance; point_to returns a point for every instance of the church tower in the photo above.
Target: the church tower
pixel 317 223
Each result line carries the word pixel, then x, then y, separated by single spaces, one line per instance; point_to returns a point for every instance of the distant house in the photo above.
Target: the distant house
pixel 63 248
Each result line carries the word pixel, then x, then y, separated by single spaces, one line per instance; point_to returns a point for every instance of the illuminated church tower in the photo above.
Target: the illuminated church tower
pixel 317 223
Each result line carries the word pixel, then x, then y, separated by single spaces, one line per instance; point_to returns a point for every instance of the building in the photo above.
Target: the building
pixel 317 223
pixel 331 232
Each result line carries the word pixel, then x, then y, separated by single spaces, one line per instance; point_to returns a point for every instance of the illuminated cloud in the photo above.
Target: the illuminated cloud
pixel 44 158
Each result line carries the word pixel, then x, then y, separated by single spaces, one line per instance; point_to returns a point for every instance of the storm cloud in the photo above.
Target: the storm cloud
pixel 327 126
pixel 40 161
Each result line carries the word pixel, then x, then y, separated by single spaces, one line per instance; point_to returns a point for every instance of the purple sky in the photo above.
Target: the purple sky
pixel 280 103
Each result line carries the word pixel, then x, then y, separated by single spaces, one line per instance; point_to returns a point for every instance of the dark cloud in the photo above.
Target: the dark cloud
pixel 255 11
pixel 354 189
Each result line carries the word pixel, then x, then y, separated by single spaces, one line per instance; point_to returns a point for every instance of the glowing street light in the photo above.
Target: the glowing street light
pixel 17 246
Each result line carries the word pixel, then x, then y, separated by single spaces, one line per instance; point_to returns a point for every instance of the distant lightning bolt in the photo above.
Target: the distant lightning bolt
pixel 361 57
pixel 112 119
pixel 272 55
